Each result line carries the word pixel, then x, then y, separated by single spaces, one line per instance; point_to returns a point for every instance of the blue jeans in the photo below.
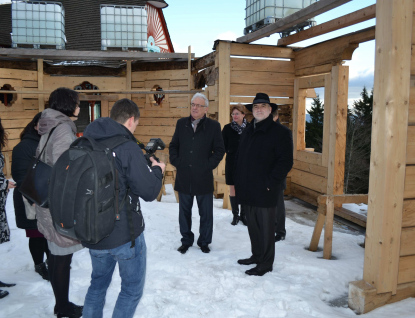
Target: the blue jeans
pixel 132 266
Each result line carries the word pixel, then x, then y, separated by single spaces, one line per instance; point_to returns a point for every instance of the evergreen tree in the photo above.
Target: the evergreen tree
pixel 358 143
pixel 314 128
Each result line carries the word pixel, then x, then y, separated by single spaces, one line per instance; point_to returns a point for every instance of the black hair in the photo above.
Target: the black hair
pixel 64 100
pixel 30 128
pixel 123 109
pixel 3 136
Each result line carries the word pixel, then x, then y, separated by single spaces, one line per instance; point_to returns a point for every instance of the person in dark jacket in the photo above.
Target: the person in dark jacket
pixel 195 150
pixel 231 134
pixel 136 180
pixel 264 158
pixel 22 157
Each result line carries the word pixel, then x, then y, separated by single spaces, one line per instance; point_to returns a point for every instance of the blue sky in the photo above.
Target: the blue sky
pixel 199 23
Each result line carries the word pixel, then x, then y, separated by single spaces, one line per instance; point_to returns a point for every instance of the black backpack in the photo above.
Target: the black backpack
pixel 84 191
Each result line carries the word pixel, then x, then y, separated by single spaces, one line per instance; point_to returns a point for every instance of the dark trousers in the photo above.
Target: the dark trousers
pixel 205 204
pixel 261 229
pixel 280 214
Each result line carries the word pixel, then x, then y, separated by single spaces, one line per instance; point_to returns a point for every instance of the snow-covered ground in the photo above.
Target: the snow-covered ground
pixel 301 285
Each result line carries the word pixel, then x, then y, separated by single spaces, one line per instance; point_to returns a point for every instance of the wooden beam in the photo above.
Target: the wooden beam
pixel 388 156
pixel 312 81
pixel 328 228
pixel 333 51
pixel 69 55
pixel 292 20
pixel 256 50
pixel 332 25
pixel 110 91
pixel 128 79
pixel 40 98
pixel 363 297
pixel 224 65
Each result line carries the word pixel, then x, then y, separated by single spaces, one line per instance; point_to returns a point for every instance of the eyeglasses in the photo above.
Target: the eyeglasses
pixel 197 105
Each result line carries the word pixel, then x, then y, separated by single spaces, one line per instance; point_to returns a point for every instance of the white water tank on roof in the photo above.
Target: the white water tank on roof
pixel 261 12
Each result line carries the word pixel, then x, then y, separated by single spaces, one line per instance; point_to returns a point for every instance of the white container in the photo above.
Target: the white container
pixel 123 26
pixel 258 10
pixel 38 23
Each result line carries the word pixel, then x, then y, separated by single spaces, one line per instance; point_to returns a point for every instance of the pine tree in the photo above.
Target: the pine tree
pixel 314 128
pixel 358 143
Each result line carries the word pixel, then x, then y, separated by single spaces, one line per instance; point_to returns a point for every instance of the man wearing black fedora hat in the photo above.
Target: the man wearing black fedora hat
pixel 264 158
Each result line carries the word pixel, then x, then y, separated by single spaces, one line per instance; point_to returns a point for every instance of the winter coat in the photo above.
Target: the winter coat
pixel 231 141
pixel 264 158
pixel 22 156
pixel 4 183
pixel 133 174
pixel 60 140
pixel 196 154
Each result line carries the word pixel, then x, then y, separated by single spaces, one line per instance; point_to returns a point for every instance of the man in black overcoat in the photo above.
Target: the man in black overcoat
pixel 195 150
pixel 264 158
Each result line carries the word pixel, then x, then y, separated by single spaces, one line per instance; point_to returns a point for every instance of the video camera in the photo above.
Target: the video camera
pixel 152 146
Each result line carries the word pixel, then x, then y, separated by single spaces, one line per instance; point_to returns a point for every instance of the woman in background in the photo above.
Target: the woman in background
pixel 5 185
pixel 22 157
pixel 64 109
pixel 231 133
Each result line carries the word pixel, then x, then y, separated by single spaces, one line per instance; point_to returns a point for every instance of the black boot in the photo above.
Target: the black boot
pixel 42 270
pixel 235 210
pixel 243 216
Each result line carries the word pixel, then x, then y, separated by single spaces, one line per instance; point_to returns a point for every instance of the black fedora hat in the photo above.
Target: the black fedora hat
pixel 262 98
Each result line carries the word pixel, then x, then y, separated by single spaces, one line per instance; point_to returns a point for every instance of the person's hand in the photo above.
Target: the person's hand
pixel 11 185
pixel 160 164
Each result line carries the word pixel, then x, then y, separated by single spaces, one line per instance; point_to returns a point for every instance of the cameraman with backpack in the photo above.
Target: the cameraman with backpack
pixel 136 180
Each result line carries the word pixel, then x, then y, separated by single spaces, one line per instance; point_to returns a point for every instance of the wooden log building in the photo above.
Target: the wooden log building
pixel 289 75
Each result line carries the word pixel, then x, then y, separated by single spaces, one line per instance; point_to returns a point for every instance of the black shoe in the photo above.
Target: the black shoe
pixel 205 249
pixel 243 219
pixel 247 261
pixel 256 271
pixel 42 270
pixel 6 285
pixel 3 293
pixel 183 249
pixel 235 220
pixel 279 237
pixel 74 311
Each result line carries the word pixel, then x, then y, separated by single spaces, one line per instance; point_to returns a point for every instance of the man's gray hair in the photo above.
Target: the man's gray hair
pixel 200 95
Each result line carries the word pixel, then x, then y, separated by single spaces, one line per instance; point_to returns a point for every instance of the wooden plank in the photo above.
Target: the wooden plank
pixel 248 100
pixel 292 20
pixel 158 122
pixel 299 118
pixel 337 130
pixel 171 113
pixel 312 81
pixel 311 168
pixel 408 214
pixel 71 55
pixel 326 121
pixel 157 75
pixel 29 114
pixel 341 199
pixel 309 157
pixel 363 297
pixel 304 194
pixel 308 180
pixel 388 157
pixel 407 242
pixel 411 115
pixel 269 78
pixel 409 192
pixel 128 78
pixel 328 228
pixel 313 70
pixel 332 51
pixel 15 123
pixel 406 272
pixel 315 238
pixel 271 90
pixel 351 216
pixel 332 25
pixel 8 73
pixel 410 146
pixel 255 50
pixel 258 65
pixel 40 84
